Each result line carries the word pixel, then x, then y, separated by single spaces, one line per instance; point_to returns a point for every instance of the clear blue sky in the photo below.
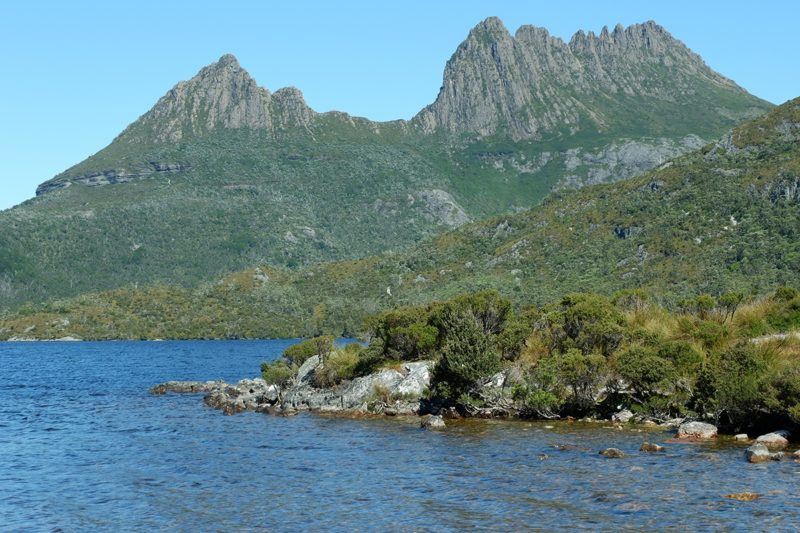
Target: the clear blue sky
pixel 74 74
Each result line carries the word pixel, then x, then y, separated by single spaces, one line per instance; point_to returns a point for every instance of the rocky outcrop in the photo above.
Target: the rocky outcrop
pixel 111 177
pixel 221 95
pixel 697 431
pixel 390 392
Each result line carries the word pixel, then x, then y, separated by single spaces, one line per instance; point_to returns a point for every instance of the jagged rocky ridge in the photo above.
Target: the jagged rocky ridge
pixel 533 83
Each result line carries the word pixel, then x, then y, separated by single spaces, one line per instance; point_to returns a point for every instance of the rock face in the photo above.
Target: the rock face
pixel 533 83
pixel 222 95
pixel 389 392
pixel 697 431
pixel 776 439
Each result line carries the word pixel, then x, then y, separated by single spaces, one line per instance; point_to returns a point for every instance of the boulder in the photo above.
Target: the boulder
pixel 305 372
pixel 623 417
pixel 697 431
pixel 759 453
pixel 651 448
pixel 416 381
pixel 777 439
pixel 672 423
pixel 613 453
pixel 432 422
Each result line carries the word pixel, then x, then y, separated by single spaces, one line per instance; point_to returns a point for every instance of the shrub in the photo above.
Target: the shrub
pixel 686 357
pixel 729 302
pixel 579 374
pixel 588 322
pixel 489 308
pixel 467 355
pixel 733 386
pixel 277 372
pixel 339 366
pixel 512 340
pixel 646 373
pixel 784 294
pixel 297 354
pixel 785 315
pixel 404 333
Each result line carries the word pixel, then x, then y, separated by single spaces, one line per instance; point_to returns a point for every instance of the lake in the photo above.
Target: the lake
pixel 84 446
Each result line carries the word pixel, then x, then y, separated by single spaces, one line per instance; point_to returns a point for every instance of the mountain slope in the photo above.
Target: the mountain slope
pixel 221 174
pixel 726 217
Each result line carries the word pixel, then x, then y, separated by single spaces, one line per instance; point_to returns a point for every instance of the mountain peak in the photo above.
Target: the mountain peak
pixel 228 59
pixel 533 84
pixel 221 95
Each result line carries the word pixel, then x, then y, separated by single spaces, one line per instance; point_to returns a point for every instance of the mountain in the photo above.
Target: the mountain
pixel 222 174
pixel 534 84
pixel 725 217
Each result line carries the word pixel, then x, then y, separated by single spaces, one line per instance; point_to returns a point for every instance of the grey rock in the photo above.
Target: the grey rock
pixel 433 422
pixel 622 417
pixel 441 206
pixel 759 453
pixel 612 453
pixel 697 431
pixel 186 387
pixel 741 437
pixel 776 439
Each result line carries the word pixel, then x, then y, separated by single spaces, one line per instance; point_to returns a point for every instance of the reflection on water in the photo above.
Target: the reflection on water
pixel 82 445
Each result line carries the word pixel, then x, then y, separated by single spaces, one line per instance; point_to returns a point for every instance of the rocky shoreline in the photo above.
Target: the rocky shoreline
pixel 402 391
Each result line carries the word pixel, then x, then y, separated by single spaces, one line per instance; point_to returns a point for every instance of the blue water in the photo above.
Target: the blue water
pixel 84 446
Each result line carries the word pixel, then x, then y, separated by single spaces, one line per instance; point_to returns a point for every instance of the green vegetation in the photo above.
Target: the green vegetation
pixel 189 193
pixel 723 220
pixel 282 370
pixel 586 355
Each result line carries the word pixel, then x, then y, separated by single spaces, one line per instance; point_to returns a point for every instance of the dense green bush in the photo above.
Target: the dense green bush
pixel 733 386
pixel 339 366
pixel 466 356
pixel 297 354
pixel 589 322
pixel 404 333
pixel 277 372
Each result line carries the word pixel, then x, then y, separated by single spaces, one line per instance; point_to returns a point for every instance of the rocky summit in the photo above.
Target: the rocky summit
pixel 258 177
pixel 532 83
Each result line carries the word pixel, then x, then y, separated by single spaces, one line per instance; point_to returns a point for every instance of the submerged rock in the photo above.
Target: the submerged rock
pixel 697 431
pixel 613 453
pixel 182 387
pixel 651 448
pixel 433 422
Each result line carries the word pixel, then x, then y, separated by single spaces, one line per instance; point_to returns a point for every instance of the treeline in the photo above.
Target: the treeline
pixel 721 359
